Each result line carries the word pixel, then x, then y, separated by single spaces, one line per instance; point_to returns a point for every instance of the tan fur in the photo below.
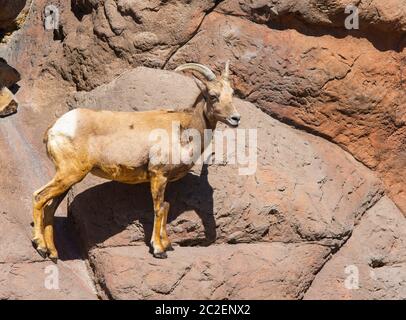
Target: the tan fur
pixel 116 146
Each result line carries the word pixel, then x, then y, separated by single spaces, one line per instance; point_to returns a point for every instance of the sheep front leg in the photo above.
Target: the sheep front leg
pixel 158 185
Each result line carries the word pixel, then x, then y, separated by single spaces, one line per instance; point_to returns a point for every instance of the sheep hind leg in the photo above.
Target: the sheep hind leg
pixel 158 185
pixel 166 243
pixel 53 191
pixel 49 213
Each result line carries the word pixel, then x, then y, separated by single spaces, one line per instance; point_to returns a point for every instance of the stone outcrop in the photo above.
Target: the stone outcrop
pixel 306 197
pixel 373 269
pixel 293 59
pixel 8 77
pixel 313 222
pixel 324 83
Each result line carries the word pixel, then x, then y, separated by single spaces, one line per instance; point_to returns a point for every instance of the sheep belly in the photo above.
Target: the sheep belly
pixel 122 173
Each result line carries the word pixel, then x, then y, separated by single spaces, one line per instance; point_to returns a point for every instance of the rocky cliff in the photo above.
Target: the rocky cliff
pixel 325 204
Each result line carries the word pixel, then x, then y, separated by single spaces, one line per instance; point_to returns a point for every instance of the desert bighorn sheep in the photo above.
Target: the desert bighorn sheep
pixel 116 146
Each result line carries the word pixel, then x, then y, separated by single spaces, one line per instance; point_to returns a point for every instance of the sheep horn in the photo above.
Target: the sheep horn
pixel 199 68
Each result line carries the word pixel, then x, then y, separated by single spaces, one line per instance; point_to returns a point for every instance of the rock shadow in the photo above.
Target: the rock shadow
pixel 106 210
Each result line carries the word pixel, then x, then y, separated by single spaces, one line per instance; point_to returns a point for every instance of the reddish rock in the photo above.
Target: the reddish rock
pixel 295 60
pixel 328 85
pixel 23 169
pixel 34 281
pixel 275 232
pixel 384 18
pixel 117 34
pixel 303 189
pixel 307 194
pixel 373 269
pixel 244 271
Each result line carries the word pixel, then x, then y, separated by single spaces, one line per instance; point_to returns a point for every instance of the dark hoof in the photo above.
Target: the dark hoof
pixel 43 252
pixel 54 259
pixel 160 255
pixel 169 248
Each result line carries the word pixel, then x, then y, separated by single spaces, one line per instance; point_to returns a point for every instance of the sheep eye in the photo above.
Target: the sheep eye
pixel 214 97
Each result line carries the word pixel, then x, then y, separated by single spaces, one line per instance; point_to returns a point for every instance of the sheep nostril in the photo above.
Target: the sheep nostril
pixel 236 118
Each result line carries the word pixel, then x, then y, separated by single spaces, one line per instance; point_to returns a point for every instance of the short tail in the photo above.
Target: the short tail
pixel 45 139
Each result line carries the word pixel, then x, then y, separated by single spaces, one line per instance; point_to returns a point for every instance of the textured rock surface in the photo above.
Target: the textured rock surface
pixel 287 232
pixel 116 34
pixel 378 264
pixel 303 189
pixel 294 59
pixel 23 168
pixel 246 271
pixel 329 85
pixel 306 198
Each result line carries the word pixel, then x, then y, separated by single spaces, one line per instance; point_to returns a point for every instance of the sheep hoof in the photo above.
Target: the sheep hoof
pixel 169 248
pixel 160 255
pixel 53 257
pixel 43 252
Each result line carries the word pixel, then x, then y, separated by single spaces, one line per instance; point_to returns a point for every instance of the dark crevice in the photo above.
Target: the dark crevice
pixel 59 34
pixel 337 249
pixel 380 39
pixel 376 263
pixel 212 9
pixel 291 122
pixel 80 8
pixel 103 291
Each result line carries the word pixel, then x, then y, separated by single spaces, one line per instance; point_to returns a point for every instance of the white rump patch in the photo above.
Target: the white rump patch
pixel 66 125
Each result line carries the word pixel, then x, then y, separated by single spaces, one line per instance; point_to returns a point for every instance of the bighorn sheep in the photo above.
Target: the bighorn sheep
pixel 116 146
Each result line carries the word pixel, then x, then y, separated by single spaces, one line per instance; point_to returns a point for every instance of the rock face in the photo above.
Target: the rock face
pixel 373 269
pixel 313 221
pixel 127 33
pixel 324 83
pixel 23 169
pixel 232 232
pixel 245 271
pixel 294 59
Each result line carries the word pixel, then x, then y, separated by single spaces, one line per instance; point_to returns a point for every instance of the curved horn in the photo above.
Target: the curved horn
pixel 226 73
pixel 199 68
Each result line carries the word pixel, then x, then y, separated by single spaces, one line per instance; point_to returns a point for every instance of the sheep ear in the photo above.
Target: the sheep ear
pixel 226 73
pixel 201 85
